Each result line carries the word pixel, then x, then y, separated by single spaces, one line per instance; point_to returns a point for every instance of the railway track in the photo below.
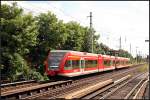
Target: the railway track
pixel 16 85
pixel 146 92
pixel 22 84
pixel 58 89
pixel 28 91
pixel 137 91
pixel 81 83
pixel 120 89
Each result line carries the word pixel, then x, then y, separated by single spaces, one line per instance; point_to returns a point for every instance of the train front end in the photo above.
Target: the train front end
pixel 53 62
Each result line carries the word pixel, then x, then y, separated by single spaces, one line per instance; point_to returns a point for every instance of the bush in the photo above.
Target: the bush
pixel 35 75
pixel 20 69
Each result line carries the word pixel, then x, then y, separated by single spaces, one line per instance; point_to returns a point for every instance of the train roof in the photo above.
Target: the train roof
pixel 112 57
pixel 108 56
pixel 91 54
pixel 74 52
pixel 60 50
pixel 122 58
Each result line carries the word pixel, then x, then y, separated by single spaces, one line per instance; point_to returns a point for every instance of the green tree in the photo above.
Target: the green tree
pixel 18 34
pixel 74 36
pixel 19 67
pixel 51 35
pixel 103 49
pixel 87 40
pixel 123 53
pixel 86 45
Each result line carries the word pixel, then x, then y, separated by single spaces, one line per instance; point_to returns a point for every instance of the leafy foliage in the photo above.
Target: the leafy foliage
pixel 18 34
pixel 19 67
pixel 26 41
pixel 74 36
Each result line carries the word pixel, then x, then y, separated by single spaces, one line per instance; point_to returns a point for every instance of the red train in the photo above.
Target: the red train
pixel 73 63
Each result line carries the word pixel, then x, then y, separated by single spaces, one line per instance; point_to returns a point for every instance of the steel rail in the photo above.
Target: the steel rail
pixel 106 88
pixel 18 92
pixel 114 90
pixel 23 91
pixel 60 95
pixel 16 83
pixel 141 90
pixel 135 87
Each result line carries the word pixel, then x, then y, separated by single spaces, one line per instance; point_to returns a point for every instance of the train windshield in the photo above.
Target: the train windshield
pixel 54 59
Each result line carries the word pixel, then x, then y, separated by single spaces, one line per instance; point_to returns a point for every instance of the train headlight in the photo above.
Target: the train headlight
pixel 53 67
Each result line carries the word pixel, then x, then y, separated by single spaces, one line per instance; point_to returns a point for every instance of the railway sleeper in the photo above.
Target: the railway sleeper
pixel 17 94
pixel 85 91
pixel 141 90
pixel 134 88
pixel 44 91
pixel 120 86
pixel 106 89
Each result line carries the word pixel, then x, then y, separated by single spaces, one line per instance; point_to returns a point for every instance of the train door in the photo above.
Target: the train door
pixel 100 65
pixel 82 65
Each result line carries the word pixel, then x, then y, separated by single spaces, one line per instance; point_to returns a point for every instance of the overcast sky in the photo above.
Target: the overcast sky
pixel 111 19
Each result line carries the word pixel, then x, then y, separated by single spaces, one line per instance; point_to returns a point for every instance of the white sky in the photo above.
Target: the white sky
pixel 111 19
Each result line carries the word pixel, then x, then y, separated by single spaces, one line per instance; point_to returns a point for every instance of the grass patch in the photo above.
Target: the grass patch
pixel 144 68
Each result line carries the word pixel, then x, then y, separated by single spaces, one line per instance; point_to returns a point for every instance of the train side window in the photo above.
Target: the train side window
pixel 75 64
pixel 107 63
pixel 120 62
pixel 68 65
pixel 113 62
pixel 127 62
pixel 117 63
pixel 90 63
pixel 124 62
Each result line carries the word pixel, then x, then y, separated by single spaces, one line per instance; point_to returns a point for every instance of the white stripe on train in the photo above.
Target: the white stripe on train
pixel 84 72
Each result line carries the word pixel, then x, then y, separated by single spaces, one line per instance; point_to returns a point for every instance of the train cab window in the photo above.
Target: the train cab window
pixel 54 60
pixel 68 65
pixel 90 63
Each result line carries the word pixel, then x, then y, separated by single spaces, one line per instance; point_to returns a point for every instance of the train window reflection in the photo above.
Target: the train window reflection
pixel 75 64
pixel 90 63
pixel 68 65
pixel 72 64
pixel 114 62
pixel 117 63
pixel 107 63
pixel 54 59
